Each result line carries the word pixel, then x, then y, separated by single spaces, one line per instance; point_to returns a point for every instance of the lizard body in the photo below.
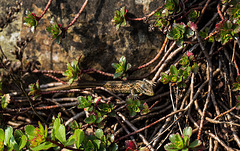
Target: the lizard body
pixel 138 86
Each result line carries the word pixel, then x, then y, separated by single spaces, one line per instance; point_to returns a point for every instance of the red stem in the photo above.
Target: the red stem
pixel 80 11
pixel 143 18
pixel 47 6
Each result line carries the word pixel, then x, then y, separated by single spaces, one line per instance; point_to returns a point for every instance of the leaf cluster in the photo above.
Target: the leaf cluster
pixel 135 106
pixel 34 90
pixel 180 75
pixel 73 71
pixel 96 109
pixel 31 20
pixel 56 30
pixel 37 138
pixel 121 68
pixel 180 32
pixel 182 142
pixel 119 18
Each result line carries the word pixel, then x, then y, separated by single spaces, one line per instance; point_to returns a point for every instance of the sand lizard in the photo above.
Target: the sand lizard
pixel 139 86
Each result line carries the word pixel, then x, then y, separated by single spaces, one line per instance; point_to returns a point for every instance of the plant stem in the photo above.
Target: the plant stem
pixel 80 11
pixel 47 6
pixel 146 17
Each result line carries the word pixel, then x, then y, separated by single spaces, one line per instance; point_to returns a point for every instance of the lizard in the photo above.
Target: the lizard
pixel 138 86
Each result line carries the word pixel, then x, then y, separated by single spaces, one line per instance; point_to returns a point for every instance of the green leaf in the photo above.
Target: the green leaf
pixel 90 146
pixel 117 75
pixel 29 129
pixel 128 66
pixel 170 147
pixel 61 134
pixel 113 147
pixel 173 70
pixel 90 119
pixel 99 133
pixel 8 135
pixel 195 143
pixel 5 100
pixel 115 65
pixel 195 68
pixel 79 137
pixel 97 143
pixel 2 135
pixel 187 132
pixel 70 141
pixel 189 33
pixel 23 142
pixel 176 140
pixel 13 144
pixel 84 102
pixel 145 109
pixel 43 146
pixel 164 78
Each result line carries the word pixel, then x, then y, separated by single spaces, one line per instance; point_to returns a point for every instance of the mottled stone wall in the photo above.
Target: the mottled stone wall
pixel 93 36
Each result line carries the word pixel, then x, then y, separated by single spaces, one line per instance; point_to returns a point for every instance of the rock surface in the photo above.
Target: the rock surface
pixel 93 36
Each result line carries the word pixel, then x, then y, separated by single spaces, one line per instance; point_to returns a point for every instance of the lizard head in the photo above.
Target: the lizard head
pixel 145 87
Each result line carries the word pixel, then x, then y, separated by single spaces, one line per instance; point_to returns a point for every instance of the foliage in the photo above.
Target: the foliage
pixel 179 32
pixel 5 100
pixel 56 31
pixel 121 68
pixel 193 15
pixel 236 87
pixel 226 31
pixel 171 6
pixel 204 34
pixel 96 109
pixel 31 20
pixel 73 71
pixel 180 75
pixel 34 90
pixel 134 106
pixel 119 18
pixel 182 142
pixel 36 138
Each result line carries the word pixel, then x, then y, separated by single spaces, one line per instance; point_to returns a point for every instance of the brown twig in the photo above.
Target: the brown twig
pixel 157 121
pixel 210 76
pixel 219 11
pixel 55 78
pixel 203 11
pixel 155 58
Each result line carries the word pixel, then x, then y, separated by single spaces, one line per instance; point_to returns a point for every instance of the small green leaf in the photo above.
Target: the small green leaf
pixel 145 109
pixel 29 129
pixel 164 78
pixel 99 133
pixel 23 142
pixel 90 146
pixel 170 147
pixel 2 135
pixel 90 119
pixel 79 137
pixel 97 143
pixel 84 102
pixel 70 141
pixel 115 65
pixel 61 134
pixel 8 135
pixel 5 100
pixel 117 75
pixel 173 70
pixel 195 143
pixel 43 146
